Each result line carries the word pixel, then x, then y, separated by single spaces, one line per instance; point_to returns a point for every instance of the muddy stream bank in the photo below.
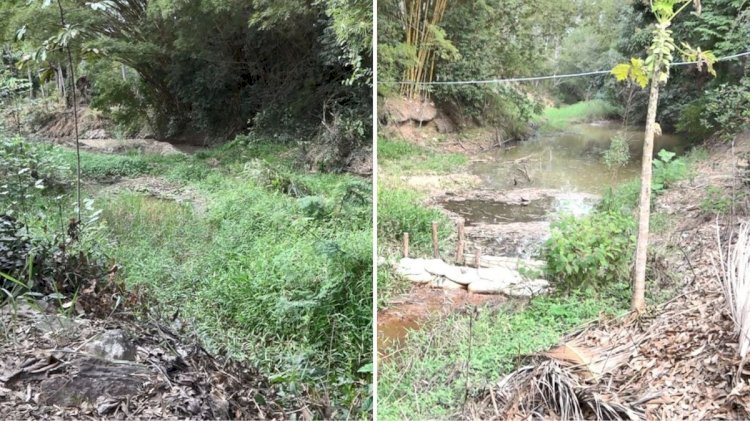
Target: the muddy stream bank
pixel 523 188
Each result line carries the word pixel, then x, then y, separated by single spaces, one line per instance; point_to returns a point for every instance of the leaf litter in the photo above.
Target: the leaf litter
pixel 66 366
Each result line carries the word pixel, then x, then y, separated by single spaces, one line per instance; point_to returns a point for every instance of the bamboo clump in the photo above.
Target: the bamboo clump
pixel 421 17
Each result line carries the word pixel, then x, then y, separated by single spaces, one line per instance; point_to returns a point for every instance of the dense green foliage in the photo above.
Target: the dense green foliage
pixel 208 68
pixel 695 102
pixel 479 40
pixel 510 38
pixel 276 275
pixel 596 251
pixel 591 252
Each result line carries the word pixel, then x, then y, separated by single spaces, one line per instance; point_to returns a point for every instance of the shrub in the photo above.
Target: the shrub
pixel 313 207
pixel 590 252
pixel 668 170
pixel 727 109
pixel 715 201
pixel 618 154
pixel 26 168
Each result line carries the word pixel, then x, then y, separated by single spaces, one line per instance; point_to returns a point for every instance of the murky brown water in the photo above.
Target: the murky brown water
pixel 569 160
pixel 487 212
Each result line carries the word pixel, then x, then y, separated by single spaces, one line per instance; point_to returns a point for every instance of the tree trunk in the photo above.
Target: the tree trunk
pixel 644 209
pixel 31 83
pixel 72 78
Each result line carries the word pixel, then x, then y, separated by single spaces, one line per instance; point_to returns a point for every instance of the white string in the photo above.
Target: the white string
pixel 535 78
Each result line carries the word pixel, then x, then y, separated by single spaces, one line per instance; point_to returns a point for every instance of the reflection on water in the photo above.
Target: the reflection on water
pixel 570 160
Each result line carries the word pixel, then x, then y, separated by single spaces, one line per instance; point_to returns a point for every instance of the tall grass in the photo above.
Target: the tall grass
pixel 558 118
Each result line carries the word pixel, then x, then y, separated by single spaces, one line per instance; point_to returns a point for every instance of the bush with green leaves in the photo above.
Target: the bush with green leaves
pixel 668 170
pixel 716 201
pixel 617 155
pixel 590 252
pixel 727 108
pixel 25 167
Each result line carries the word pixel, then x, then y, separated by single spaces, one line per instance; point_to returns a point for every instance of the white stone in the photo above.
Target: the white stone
pixel 502 275
pixel 445 284
pixel 413 270
pixel 462 275
pixel 527 288
pixel 437 267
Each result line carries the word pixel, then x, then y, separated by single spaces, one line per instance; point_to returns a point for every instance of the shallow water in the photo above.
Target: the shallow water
pixel 569 160
pixel 488 212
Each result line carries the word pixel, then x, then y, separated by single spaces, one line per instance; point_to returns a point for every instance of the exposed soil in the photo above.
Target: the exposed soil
pixel 677 361
pixel 410 310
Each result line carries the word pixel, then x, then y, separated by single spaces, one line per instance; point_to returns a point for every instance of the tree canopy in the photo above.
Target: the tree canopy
pixel 207 68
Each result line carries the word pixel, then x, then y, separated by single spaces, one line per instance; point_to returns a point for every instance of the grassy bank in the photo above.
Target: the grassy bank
pixel 558 118
pixel 270 264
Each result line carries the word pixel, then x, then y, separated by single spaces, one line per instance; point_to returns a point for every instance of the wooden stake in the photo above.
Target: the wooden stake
pixel 477 256
pixel 460 244
pixel 435 247
pixel 406 244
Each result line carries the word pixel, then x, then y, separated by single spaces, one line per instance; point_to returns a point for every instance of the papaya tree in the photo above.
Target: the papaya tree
pixel 654 70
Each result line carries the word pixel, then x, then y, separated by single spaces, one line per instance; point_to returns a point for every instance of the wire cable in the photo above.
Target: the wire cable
pixel 537 78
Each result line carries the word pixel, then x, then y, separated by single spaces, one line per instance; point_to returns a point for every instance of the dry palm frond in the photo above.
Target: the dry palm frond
pixel 595 361
pixel 552 391
pixel 734 275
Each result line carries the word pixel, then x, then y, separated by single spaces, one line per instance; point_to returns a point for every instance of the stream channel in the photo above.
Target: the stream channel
pixel 524 187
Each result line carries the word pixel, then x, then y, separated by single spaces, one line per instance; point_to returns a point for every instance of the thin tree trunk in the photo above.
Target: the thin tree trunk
pixel 75 113
pixel 31 83
pixel 644 209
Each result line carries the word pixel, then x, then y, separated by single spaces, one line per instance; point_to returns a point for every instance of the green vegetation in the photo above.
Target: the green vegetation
pixel 590 252
pixel 277 275
pixel 558 118
pixel 716 201
pixel 468 41
pixel 617 155
pixel 399 157
pixel 204 69
pixel 403 210
pixel 426 379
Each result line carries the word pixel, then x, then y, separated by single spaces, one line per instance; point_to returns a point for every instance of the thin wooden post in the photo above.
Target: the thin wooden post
pixel 435 247
pixel 477 256
pixel 406 244
pixel 460 243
